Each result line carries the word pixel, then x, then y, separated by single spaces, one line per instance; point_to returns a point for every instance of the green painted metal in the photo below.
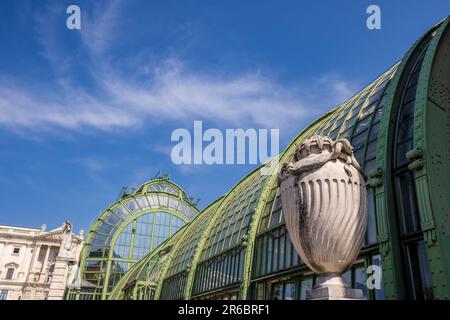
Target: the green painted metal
pixel 142 190
pixel 177 246
pixel 139 268
pixel 430 166
pixel 208 229
pixel 133 219
pixel 256 218
pixel 384 192
pixel 430 154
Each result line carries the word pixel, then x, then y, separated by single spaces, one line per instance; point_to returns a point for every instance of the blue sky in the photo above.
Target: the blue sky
pixel 86 112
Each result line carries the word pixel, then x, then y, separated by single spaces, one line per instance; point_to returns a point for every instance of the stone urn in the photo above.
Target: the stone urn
pixel 323 194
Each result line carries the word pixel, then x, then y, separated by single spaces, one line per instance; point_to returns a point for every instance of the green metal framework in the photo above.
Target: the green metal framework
pixel 238 248
pixel 127 231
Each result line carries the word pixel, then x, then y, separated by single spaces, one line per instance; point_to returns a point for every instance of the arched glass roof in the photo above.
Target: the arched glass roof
pixel 243 240
pixel 180 248
pixel 216 242
pixel 130 228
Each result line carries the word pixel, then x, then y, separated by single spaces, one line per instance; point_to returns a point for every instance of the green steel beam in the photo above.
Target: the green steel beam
pixel 166 210
pixel 214 220
pixel 387 227
pixel 123 222
pixel 256 218
pixel 430 154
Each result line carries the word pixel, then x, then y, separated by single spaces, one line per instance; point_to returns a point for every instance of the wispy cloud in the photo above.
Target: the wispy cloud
pixel 99 29
pixel 169 91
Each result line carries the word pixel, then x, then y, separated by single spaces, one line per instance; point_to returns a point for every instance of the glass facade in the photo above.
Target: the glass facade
pixel 239 247
pixel 128 230
pixel 417 269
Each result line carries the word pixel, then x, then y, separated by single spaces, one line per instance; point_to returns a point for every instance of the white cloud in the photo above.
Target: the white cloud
pixel 99 28
pixel 170 91
pixel 172 94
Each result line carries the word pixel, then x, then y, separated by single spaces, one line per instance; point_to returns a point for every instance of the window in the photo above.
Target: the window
pixel 4 295
pixel 420 271
pixel 16 250
pixel 277 291
pixel 305 285
pixel 378 292
pixel 289 291
pixel 407 202
pixel 9 273
pixel 360 280
pixel 416 265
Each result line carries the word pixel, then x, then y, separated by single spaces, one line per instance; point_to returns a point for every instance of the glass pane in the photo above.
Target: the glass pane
pixel 360 280
pixel 420 271
pixel 305 286
pixel 277 291
pixel 347 276
pixel 407 205
pixel 289 291
pixel 379 292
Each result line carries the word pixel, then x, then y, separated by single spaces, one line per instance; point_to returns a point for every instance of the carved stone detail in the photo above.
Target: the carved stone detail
pixel 323 194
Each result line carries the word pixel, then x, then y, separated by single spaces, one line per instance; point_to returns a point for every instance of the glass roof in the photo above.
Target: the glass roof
pixel 224 227
pixel 233 220
pixel 185 251
pixel 131 228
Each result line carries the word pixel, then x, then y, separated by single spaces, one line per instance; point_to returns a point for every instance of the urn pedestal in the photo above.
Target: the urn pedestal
pixel 323 195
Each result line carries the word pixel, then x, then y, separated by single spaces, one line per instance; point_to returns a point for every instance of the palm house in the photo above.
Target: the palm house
pixel 238 246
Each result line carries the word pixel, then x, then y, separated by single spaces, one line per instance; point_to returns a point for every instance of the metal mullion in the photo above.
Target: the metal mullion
pixel 100 233
pixel 274 250
pixel 338 113
pixel 230 206
pixel 238 263
pixel 372 124
pixel 365 103
pixel 207 271
pixel 213 275
pixel 252 200
pixel 130 214
pixel 242 214
pixel 284 250
pixel 103 219
pixel 363 94
pixel 229 261
pixel 273 206
pixel 200 279
pixel 235 216
pixel 137 203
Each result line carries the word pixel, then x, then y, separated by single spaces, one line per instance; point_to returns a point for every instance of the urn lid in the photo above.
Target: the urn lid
pixel 315 144
pixel 316 151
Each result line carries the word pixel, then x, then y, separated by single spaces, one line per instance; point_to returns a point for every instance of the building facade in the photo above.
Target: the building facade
pixel 399 126
pixel 36 264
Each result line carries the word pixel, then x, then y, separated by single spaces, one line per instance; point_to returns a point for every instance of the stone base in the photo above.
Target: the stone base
pixel 334 293
pixel 332 287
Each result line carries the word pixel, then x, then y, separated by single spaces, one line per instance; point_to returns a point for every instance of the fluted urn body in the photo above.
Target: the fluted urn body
pixel 323 194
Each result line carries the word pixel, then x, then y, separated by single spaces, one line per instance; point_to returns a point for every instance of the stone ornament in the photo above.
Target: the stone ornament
pixel 66 242
pixel 323 194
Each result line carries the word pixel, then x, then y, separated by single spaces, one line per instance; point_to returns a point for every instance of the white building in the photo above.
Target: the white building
pixel 37 264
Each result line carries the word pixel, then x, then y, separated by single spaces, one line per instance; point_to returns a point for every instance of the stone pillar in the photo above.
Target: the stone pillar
pixel 59 279
pixel 68 253
pixel 45 263
pixel 324 205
